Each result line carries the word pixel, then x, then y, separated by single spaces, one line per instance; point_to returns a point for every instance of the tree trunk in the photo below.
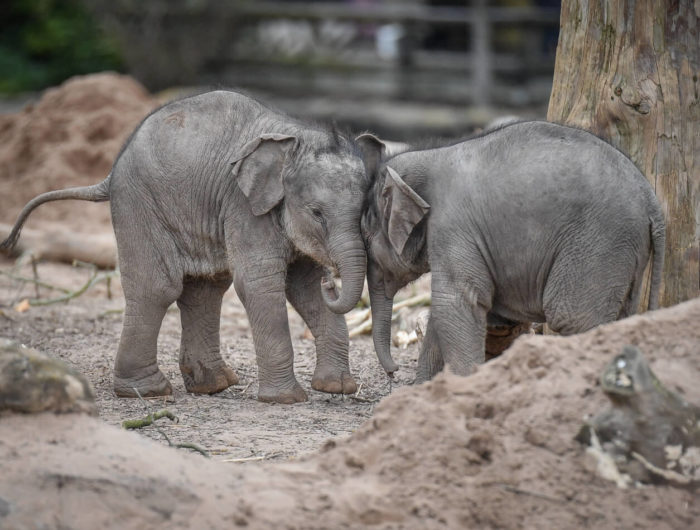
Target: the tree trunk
pixel 628 71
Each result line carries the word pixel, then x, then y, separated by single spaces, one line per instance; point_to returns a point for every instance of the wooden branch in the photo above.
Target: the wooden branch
pixel 148 420
pixel 667 474
pixel 184 445
pixel 365 327
pixel 418 300
pixel 361 321
pixel 94 279
pixel 35 281
pixel 65 246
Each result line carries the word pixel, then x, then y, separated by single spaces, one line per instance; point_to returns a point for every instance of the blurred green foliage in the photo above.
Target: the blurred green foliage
pixel 43 42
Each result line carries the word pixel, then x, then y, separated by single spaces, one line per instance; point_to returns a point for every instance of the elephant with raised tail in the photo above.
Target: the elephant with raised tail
pixel 532 222
pixel 217 189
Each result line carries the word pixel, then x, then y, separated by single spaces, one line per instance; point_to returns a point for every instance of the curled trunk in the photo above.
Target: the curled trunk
pixel 352 261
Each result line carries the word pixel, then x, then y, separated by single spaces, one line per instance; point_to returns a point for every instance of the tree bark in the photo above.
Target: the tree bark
pixel 628 71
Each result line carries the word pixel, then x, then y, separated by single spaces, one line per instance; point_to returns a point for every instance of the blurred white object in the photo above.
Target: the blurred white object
pixel 387 40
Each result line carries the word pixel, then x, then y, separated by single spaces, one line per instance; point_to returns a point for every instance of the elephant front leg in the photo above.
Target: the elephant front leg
pixel 430 360
pixel 261 288
pixel 460 323
pixel 332 373
pixel 203 370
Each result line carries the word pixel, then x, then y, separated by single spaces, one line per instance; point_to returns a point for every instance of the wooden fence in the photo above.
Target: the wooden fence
pixel 499 55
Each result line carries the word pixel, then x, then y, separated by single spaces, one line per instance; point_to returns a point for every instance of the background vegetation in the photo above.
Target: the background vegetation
pixel 43 42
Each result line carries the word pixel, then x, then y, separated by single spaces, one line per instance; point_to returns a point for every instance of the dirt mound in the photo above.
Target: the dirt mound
pixel 497 449
pixel 494 450
pixel 70 137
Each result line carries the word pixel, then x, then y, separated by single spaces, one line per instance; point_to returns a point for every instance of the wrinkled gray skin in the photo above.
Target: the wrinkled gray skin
pixel 216 189
pixel 532 222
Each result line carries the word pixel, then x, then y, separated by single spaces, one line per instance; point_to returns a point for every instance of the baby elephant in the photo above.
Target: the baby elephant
pixel 532 222
pixel 215 189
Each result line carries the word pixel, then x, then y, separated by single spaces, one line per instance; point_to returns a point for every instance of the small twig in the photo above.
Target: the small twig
pixel 194 447
pixel 34 281
pixel 184 445
pixel 22 259
pixel 246 387
pixel 518 491
pixel 668 474
pixel 252 458
pixel 148 420
pixel 421 299
pixel 357 392
pixel 361 400
pixel 94 279
pixel 365 327
pixel 110 312
pixel 357 317
pixel 16 297
pixel 36 277
pixel 157 415
pixel 143 401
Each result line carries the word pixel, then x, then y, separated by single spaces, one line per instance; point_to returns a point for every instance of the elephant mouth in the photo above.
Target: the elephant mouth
pixel 329 281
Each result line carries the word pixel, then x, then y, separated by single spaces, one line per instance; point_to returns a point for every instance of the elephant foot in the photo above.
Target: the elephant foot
pixel 500 338
pixel 155 384
pixel 287 396
pixel 422 377
pixel 200 378
pixel 333 381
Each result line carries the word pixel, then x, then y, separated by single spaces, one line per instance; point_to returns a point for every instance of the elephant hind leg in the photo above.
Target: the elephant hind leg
pixel 203 370
pixel 136 369
pixel 634 294
pixel 580 297
pixel 152 281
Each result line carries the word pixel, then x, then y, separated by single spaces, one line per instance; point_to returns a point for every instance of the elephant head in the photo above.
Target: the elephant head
pixel 315 182
pixel 394 228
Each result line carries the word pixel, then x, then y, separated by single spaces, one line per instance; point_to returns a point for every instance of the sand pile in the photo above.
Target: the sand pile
pixel 70 137
pixel 497 449
pixel 494 450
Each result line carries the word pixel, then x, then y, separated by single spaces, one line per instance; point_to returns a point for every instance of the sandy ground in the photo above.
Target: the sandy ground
pixel 232 424
pixel 494 450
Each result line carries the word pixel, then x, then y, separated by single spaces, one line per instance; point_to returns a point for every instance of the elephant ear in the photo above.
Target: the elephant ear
pixel 258 169
pixel 403 208
pixel 373 151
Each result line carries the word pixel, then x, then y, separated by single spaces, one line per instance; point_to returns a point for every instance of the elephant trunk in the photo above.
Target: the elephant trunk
pixel 351 260
pixel 381 318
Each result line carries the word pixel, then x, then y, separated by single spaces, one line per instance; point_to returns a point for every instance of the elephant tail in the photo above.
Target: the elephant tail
pixel 95 193
pixel 657 230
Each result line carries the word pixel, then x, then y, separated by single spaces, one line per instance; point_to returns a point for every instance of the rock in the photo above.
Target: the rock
pixel 651 433
pixel 33 382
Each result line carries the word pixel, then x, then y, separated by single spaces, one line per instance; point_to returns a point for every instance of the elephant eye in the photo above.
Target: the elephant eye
pixel 317 214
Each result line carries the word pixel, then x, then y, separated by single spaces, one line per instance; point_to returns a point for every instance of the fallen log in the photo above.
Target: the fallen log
pixel 67 246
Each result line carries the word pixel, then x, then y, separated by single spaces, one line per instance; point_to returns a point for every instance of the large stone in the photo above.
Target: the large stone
pixel 33 382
